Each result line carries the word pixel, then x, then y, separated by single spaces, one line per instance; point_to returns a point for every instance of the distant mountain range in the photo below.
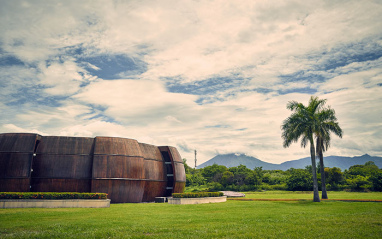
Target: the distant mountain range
pixel 233 160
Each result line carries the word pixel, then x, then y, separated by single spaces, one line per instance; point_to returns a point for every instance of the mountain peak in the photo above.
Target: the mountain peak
pixel 235 159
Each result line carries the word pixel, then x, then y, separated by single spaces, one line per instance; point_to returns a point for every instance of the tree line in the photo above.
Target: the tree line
pixel 367 177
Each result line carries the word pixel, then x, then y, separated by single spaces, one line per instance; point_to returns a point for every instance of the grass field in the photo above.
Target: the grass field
pixel 233 219
pixel 309 195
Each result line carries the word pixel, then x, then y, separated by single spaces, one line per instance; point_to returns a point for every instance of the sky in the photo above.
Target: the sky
pixel 211 76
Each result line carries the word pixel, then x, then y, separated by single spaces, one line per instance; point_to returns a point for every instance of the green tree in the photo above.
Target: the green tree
pixel 214 172
pixel 359 183
pixel 299 180
pixel 187 168
pixel 227 178
pixel 376 180
pixel 364 177
pixel 368 169
pixel 195 179
pixel 240 172
pixel 256 178
pixel 273 177
pixel 334 177
pixel 326 123
pixel 302 123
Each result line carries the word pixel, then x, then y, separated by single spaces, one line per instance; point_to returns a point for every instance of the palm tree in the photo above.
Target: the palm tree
pixel 303 124
pixel 327 123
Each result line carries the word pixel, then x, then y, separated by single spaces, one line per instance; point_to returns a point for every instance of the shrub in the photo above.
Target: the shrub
pixel 376 180
pixel 275 177
pixel 197 195
pixel 214 186
pixel 195 179
pixel 359 183
pixel 227 178
pixel 299 180
pixel 51 195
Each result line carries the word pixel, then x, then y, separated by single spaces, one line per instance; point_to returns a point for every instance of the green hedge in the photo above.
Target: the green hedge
pixel 51 195
pixel 197 195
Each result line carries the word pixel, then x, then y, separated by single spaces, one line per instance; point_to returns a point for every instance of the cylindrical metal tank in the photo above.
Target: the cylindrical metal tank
pixel 63 164
pixel 176 175
pixel 155 172
pixel 128 171
pixel 118 169
pixel 16 155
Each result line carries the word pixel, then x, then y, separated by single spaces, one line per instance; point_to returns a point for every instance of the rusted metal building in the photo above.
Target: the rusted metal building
pixel 128 171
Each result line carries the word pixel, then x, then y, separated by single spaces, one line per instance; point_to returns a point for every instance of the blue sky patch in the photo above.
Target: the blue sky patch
pixel 344 55
pixel 302 76
pixel 114 66
pixel 305 90
pixel 218 126
pixel 35 96
pixel 7 60
pixel 205 87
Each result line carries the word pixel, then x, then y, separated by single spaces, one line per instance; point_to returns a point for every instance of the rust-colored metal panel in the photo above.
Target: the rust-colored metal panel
pixel 16 155
pixel 61 185
pixel 15 165
pixel 118 166
pixel 155 172
pixel 180 173
pixel 120 190
pixel 18 142
pixel 60 145
pixel 154 189
pixel 117 146
pixel 14 184
pixel 63 164
pixel 150 152
pixel 175 154
pixel 176 175
pixel 118 169
pixel 153 163
pixel 179 187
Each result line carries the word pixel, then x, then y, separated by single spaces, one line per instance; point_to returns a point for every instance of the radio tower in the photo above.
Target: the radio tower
pixel 195 159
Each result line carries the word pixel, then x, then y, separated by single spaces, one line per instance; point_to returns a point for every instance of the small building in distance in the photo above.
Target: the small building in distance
pixel 125 169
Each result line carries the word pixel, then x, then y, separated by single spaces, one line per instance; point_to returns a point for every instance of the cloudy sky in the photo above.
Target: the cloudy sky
pixel 214 76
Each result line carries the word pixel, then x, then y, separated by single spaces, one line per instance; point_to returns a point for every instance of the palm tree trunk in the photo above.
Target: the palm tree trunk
pixel 316 196
pixel 323 179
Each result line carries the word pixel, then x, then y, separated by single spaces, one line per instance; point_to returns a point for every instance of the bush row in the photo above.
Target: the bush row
pixel 51 195
pixel 367 177
pixel 197 195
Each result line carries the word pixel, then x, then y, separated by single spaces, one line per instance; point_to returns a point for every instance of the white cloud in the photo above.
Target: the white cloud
pixel 357 99
pixel 253 42
pixel 11 128
pixel 354 80
pixel 15 77
pixel 62 78
pixel 268 36
pixel 137 101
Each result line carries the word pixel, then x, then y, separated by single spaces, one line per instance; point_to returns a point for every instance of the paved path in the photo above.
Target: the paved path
pixel 233 194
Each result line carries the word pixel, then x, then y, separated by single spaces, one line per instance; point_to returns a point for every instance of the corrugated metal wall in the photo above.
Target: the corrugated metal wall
pixel 127 170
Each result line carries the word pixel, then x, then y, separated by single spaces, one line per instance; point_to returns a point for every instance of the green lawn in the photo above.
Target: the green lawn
pixel 232 219
pixel 309 195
